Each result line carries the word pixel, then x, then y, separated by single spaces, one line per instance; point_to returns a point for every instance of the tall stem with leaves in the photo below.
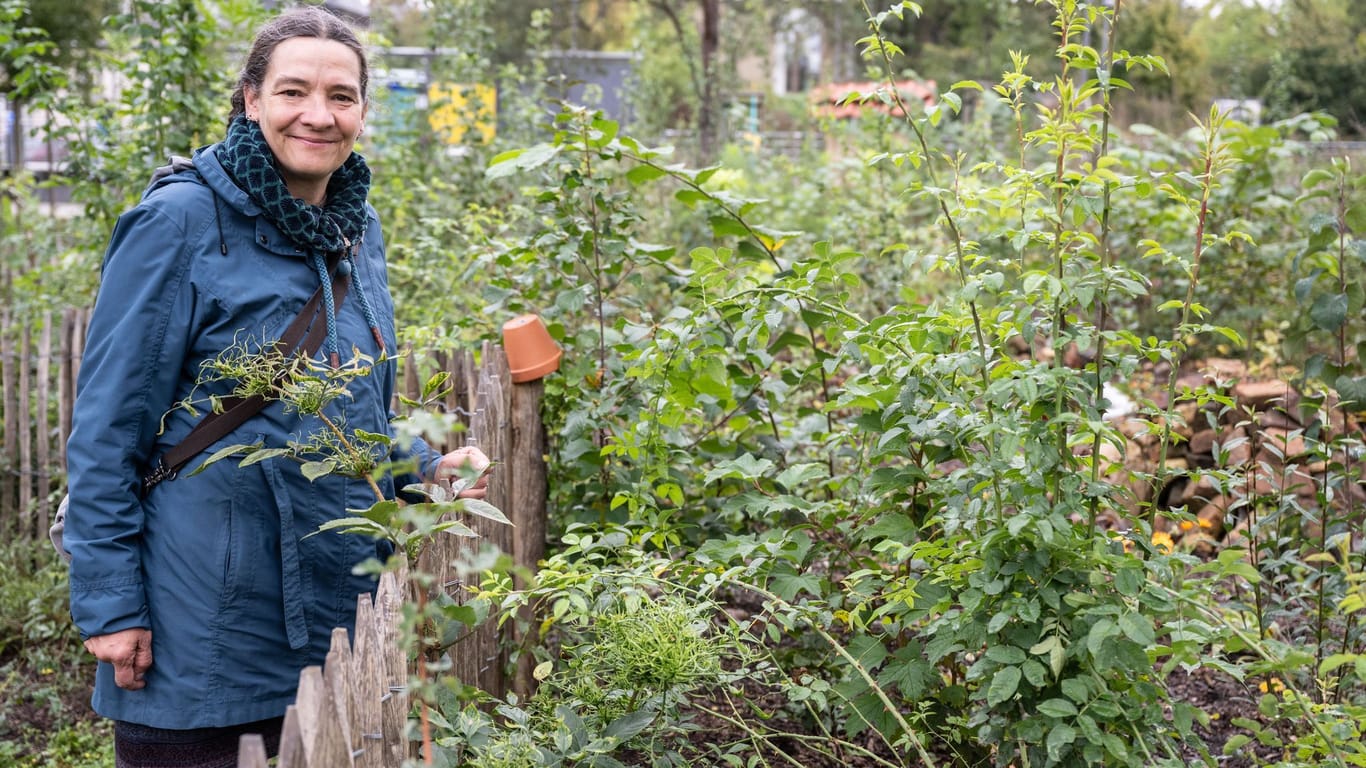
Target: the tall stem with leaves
pixel 1106 257
pixel 1212 157
pixel 876 44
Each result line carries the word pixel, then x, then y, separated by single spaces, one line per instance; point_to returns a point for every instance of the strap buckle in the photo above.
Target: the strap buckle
pixel 156 475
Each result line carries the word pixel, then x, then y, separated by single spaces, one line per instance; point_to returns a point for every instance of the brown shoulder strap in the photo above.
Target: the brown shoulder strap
pixel 234 411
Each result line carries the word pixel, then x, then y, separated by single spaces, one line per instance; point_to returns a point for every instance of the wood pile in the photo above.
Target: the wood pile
pixel 1257 450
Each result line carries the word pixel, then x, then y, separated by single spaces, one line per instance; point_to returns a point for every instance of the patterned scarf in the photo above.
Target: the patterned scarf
pixel 337 225
pixel 247 158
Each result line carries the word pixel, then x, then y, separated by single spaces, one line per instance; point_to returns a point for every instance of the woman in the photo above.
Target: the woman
pixel 203 597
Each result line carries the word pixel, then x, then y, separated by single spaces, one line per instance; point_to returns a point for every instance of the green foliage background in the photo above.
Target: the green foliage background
pixel 815 445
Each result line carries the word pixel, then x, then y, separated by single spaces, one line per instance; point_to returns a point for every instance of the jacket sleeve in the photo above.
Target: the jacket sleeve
pixel 134 354
pixel 420 456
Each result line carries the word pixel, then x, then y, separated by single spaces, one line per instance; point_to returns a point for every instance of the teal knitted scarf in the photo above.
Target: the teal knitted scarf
pixel 333 226
pixel 336 226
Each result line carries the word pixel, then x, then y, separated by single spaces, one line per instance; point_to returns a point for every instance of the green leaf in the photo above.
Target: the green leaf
pixel 373 437
pixel 746 467
pixel 256 457
pixel 629 725
pixel 1352 390
pixel 789 585
pixel 517 160
pixel 1100 631
pixel 1006 654
pixel 483 509
pixel 1138 628
pixel 1329 311
pixel 1057 708
pixel 644 173
pixel 1059 737
pixel 351 525
pixel 691 197
pixel 1356 219
pixel 1003 685
pixel 1337 660
pixel 722 226
pixel 1316 177
pixel 455 528
pixel 223 453
pixel 1076 690
pixel 316 469
pixel 798 475
pixel 435 383
pixel 1235 743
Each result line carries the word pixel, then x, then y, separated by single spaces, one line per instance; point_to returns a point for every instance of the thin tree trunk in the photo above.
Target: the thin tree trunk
pixel 711 43
pixel 9 482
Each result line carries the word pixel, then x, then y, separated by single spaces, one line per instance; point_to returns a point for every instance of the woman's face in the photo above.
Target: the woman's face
pixel 311 111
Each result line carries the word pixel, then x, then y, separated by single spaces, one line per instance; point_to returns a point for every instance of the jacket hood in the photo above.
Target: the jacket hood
pixel 214 175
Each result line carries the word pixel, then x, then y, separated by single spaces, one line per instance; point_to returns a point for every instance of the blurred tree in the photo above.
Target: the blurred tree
pixel 1238 41
pixel 1320 62
pixel 46 43
pixel 1163 28
pixel 972 39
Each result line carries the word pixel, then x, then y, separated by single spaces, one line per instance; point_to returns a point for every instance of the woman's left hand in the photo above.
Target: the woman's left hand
pixel 457 465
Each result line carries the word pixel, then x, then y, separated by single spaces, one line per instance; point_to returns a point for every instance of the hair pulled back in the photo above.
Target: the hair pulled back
pixel 306 21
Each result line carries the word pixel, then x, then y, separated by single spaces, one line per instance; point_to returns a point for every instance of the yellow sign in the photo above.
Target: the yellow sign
pixel 456 110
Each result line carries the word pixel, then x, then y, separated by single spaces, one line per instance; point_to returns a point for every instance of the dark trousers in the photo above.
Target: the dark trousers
pixel 139 746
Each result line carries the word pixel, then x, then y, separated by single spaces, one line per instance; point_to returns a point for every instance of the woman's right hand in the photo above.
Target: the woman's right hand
pixel 130 651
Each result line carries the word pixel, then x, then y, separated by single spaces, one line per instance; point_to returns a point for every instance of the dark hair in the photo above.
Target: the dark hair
pixel 298 22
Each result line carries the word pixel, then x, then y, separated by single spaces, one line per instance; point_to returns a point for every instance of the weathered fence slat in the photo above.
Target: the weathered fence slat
pixel 292 741
pixel 10 365
pixel 43 459
pixel 66 383
pixel 337 669
pixel 326 743
pixel 371 687
pixel 394 713
pixel 25 468
pixel 251 751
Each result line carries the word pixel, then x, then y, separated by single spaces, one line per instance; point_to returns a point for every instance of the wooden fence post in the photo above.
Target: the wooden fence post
pixel 24 470
pixel 527 507
pixel 43 460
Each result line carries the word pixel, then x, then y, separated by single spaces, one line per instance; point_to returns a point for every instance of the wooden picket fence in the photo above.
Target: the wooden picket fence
pixel 352 710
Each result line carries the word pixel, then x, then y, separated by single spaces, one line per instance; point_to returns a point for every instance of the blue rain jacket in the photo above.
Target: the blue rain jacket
pixel 216 565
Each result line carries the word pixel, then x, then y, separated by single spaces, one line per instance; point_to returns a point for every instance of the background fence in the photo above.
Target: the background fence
pixel 39 362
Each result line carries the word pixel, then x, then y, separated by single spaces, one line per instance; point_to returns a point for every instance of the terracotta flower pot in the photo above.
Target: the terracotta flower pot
pixel 530 350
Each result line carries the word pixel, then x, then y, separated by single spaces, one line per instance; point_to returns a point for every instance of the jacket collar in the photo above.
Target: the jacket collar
pixel 213 173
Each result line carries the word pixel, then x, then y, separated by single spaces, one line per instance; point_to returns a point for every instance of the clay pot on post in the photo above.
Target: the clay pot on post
pixel 531 352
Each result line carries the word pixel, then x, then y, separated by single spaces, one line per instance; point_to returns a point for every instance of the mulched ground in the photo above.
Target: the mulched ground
pixel 37 699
